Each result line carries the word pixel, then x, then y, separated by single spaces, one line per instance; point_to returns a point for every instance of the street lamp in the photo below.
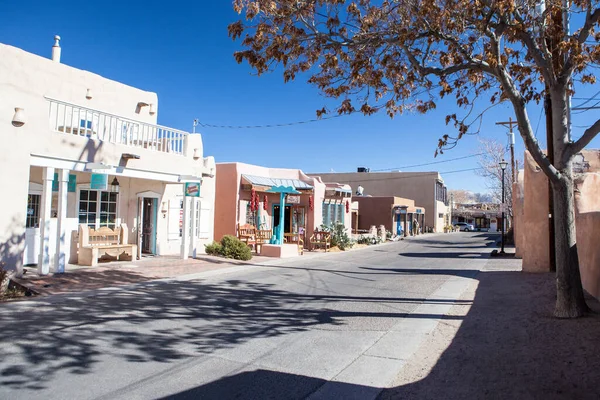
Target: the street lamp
pixel 503 165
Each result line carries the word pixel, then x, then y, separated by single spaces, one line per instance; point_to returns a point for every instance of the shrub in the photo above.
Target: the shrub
pixel 3 277
pixel 230 247
pixel 214 249
pixel 339 237
pixel 233 247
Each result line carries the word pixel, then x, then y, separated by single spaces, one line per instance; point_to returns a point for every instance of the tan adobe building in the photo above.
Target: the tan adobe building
pixel 427 189
pixel 398 215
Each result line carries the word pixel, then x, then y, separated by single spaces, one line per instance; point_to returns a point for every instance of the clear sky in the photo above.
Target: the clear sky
pixel 181 50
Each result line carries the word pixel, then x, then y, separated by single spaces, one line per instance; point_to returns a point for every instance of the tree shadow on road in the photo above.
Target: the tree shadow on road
pixel 164 322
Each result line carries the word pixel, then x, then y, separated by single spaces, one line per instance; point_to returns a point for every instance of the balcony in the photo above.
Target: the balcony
pixel 71 119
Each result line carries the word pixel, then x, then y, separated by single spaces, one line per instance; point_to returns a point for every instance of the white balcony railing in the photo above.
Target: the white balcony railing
pixel 76 120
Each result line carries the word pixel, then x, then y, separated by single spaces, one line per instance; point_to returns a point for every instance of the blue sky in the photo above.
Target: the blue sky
pixel 181 50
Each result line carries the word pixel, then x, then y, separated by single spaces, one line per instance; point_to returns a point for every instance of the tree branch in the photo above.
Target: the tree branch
pixel 589 134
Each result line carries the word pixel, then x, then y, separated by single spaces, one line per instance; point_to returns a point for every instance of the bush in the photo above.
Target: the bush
pixel 230 247
pixel 214 249
pixel 339 237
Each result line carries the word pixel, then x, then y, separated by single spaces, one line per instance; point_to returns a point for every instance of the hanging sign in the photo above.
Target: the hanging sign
pixel 293 199
pixel 99 182
pixel 192 189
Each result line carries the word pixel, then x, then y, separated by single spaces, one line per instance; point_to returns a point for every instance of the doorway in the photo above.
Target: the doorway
pixel 286 223
pixel 32 229
pixel 148 217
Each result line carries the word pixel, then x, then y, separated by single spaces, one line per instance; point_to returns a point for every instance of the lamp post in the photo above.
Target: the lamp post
pixel 503 165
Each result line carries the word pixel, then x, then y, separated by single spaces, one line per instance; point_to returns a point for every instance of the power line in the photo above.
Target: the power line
pixel 587 101
pixel 270 125
pixel 431 163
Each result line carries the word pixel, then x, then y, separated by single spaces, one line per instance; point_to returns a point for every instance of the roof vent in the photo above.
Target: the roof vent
pixel 56 49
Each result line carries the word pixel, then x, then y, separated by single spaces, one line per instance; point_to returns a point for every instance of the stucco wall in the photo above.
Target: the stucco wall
pixel 588 228
pixel 536 253
pixel 518 214
pixel 419 186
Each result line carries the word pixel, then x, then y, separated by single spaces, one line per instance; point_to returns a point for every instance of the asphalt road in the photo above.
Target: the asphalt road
pixel 323 327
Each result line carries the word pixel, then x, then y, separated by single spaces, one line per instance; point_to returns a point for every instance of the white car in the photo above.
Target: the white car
pixel 464 227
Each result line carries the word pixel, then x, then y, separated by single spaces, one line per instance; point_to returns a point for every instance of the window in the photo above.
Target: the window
pixel 250 215
pixel 33 211
pixel 333 213
pixel 98 208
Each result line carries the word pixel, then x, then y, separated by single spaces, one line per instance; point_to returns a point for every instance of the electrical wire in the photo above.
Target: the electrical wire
pixel 431 163
pixel 588 100
pixel 271 125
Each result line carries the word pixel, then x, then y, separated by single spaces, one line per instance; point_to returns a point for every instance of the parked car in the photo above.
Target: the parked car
pixel 464 227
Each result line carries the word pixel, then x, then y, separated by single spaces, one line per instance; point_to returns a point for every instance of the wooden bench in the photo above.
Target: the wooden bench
pixel 263 236
pixel 320 238
pixel 94 244
pixel 247 234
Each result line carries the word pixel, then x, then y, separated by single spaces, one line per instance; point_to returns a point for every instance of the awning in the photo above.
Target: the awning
pixel 274 182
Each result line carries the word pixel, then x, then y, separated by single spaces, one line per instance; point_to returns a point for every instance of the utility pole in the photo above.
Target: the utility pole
pixel 194 125
pixel 511 135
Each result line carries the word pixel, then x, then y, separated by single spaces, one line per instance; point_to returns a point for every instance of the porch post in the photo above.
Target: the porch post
pixel 46 200
pixel 61 232
pixel 194 205
pixel 281 217
pixel 185 227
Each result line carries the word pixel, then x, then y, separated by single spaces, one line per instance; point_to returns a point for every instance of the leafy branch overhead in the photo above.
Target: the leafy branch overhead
pixel 406 55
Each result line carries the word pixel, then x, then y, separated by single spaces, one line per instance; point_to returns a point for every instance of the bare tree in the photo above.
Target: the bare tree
pixel 404 55
pixel 461 196
pixel 491 153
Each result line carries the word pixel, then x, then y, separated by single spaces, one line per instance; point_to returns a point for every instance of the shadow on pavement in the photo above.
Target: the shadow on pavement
pixel 265 385
pixel 510 346
pixel 164 322
pixel 507 346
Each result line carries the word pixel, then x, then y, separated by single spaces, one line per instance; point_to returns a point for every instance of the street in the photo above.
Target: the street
pixel 332 326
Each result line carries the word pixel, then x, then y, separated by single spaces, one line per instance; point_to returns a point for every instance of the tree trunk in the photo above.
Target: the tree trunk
pixel 570 302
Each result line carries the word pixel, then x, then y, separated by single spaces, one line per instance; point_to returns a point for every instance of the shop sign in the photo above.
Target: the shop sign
pixel 419 211
pixel 293 199
pixel 192 189
pixel 71 186
pixel 99 182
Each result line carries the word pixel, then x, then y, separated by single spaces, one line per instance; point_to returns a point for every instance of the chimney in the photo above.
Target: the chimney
pixel 56 49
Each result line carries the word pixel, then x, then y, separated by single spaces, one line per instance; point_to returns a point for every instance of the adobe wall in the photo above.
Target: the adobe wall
pixel 535 247
pixel 518 213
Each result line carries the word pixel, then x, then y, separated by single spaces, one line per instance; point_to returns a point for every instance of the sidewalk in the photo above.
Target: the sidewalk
pixel 507 345
pixel 114 274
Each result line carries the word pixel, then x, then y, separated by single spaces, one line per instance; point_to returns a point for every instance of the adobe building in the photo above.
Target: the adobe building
pixel 316 203
pixel 398 215
pixel 531 222
pixel 88 150
pixel 427 189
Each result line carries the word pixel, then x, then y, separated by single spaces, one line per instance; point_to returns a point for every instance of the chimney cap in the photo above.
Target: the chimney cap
pixel 56 40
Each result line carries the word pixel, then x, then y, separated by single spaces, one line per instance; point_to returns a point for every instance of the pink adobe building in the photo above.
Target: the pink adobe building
pixel 531 223
pixel 318 203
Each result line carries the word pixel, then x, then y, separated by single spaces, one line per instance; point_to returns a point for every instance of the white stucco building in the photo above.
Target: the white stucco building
pixel 68 138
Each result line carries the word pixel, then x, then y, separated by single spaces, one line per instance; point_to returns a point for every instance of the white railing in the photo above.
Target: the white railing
pixel 76 120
